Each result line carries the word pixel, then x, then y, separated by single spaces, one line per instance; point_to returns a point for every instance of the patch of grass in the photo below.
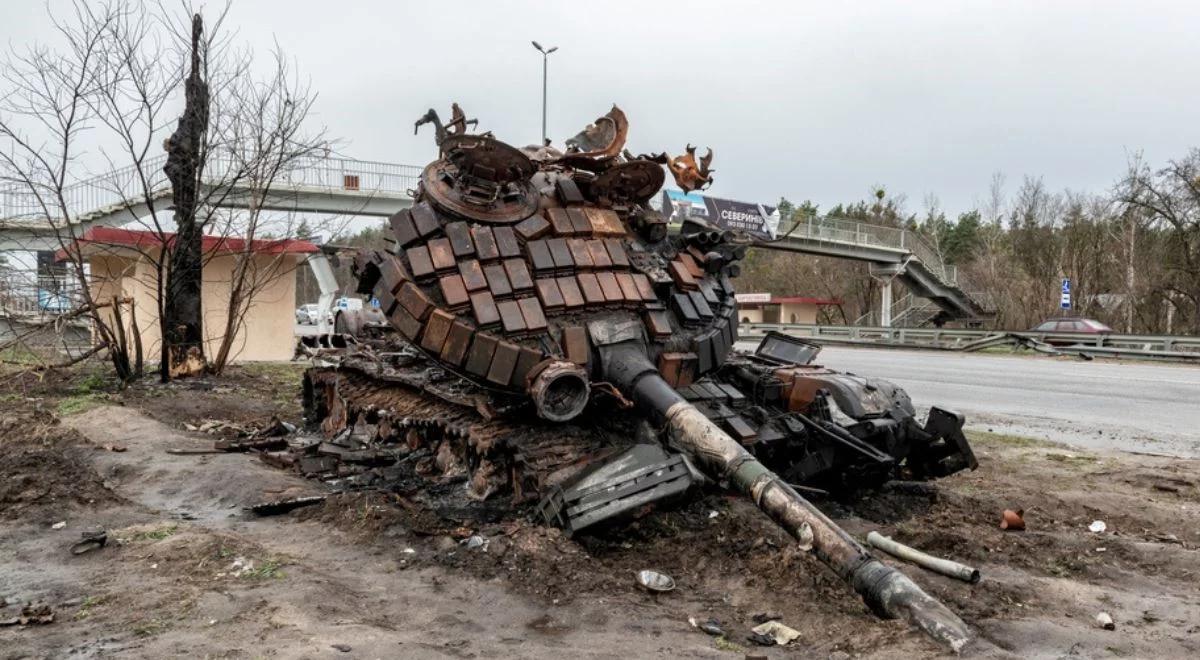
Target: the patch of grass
pixel 20 357
pixel 149 628
pixel 93 382
pixel 89 603
pixel 1065 566
pixel 1072 459
pixel 283 373
pixel 1006 440
pixel 724 644
pixel 88 392
pixel 269 568
pixel 75 404
pixel 157 534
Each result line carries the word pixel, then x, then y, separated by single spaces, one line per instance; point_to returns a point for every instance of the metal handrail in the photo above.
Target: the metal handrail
pixel 118 187
pixel 841 230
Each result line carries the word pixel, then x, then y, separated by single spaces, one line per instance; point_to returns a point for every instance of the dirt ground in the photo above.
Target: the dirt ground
pixel 187 572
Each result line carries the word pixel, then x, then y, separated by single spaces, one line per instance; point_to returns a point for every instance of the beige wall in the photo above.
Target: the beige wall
pixel 797 313
pixel 267 333
pixel 750 315
pixel 788 313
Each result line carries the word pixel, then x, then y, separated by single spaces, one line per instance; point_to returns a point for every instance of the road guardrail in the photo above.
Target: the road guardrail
pixel 952 338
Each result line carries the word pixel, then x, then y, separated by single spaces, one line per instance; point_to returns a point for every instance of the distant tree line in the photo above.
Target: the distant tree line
pixel 1132 252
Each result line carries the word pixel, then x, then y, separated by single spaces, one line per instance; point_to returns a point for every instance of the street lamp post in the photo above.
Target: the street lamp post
pixel 545 63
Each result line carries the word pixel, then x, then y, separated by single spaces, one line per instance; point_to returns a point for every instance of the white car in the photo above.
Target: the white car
pixel 307 314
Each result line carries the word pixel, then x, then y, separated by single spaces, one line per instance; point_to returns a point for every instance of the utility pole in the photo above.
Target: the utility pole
pixel 545 63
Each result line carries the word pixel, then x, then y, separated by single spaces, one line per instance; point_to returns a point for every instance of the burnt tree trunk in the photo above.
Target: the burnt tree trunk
pixel 182 326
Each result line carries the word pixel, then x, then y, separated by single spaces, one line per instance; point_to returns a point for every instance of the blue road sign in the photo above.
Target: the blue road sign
pixel 1065 300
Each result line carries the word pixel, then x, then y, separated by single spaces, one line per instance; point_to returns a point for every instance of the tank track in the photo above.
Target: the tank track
pixel 379 427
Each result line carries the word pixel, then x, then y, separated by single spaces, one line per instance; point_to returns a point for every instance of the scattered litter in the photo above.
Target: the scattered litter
pixel 59 525
pixel 409 551
pixel 712 627
pixel 1168 538
pixel 1105 621
pixel 115 448
pixel 655 581
pixel 344 648
pixel 283 506
pixel 1097 526
pixel 1101 549
pixel 712 514
pixel 31 615
pixel 774 629
pixel 761 639
pixel 476 542
pixel 763 617
pixel 92 540
pixel 929 562
pixel 1013 521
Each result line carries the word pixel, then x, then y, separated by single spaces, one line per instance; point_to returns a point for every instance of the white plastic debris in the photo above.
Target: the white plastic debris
pixel 780 632
pixel 1097 526
pixel 409 551
pixel 1105 621
pixel 476 542
pixel 712 514
pixel 59 525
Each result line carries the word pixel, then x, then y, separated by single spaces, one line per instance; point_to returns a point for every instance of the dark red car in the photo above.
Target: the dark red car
pixel 1074 326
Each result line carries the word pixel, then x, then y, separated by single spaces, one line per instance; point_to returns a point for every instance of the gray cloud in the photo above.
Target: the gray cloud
pixel 804 100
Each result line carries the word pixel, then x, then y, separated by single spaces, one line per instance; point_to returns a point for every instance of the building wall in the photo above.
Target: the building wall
pixel 778 313
pixel 750 314
pixel 797 313
pixel 267 332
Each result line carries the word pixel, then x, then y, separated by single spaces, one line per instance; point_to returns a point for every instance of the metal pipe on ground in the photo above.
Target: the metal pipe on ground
pixel 936 564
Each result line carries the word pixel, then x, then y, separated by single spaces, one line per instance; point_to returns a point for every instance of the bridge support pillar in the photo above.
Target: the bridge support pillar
pixel 886 274
pixel 885 303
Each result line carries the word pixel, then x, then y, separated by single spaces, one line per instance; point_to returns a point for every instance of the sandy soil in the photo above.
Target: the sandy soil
pixel 188 572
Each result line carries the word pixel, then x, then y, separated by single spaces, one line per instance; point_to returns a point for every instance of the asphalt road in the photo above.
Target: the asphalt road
pixel 1139 406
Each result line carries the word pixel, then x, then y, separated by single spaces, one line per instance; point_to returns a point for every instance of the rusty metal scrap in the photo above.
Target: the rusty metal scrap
pixel 688 175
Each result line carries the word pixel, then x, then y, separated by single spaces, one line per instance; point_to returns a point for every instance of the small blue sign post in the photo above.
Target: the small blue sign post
pixel 1065 299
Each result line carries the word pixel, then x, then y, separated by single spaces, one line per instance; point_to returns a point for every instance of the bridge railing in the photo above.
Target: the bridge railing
pixel 842 230
pixel 124 184
pixel 25 293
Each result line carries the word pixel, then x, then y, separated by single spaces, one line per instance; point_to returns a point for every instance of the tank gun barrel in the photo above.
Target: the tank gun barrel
pixel 888 592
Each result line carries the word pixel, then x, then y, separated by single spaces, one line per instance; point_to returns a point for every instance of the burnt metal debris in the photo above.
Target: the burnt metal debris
pixel 557 349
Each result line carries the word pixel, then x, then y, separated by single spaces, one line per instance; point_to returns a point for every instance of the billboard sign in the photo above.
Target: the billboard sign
pixel 755 219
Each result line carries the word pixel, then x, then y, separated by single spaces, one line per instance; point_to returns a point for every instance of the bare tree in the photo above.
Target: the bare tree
pixel 1170 197
pixel 124 66
pixel 182 320
pixel 44 114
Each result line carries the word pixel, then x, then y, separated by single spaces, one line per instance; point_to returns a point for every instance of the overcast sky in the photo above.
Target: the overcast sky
pixel 797 99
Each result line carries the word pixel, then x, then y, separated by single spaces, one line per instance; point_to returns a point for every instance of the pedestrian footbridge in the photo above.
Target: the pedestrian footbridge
pixel 345 186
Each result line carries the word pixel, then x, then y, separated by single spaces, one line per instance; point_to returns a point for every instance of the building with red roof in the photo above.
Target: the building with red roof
pixel 122 263
pixel 768 308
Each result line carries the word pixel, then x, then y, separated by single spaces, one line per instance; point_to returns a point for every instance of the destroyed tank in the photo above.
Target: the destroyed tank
pixel 556 344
